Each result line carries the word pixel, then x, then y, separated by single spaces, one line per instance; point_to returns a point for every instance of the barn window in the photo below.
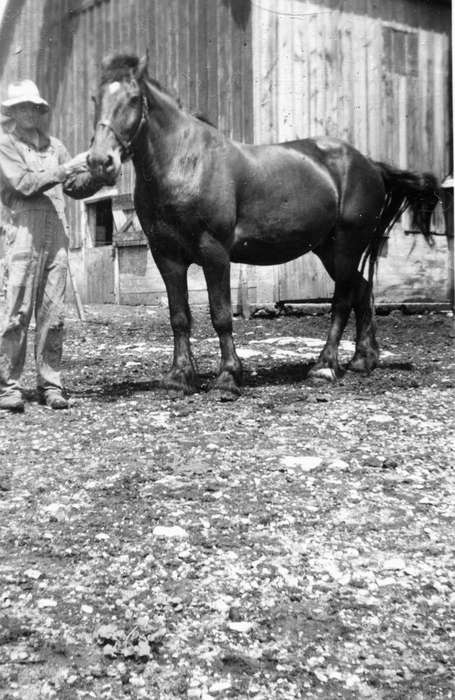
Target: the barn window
pixel 100 221
pixel 401 51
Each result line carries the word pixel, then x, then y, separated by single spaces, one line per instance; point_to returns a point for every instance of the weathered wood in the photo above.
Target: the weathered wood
pixel 100 275
pixel 77 298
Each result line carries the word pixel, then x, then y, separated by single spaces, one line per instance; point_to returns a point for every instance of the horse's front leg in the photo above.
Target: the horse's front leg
pixel 182 375
pixel 217 272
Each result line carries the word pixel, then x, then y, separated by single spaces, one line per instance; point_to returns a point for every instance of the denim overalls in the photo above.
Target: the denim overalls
pixel 37 259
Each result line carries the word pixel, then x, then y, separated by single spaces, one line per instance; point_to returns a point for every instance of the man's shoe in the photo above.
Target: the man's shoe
pixel 53 398
pixel 12 402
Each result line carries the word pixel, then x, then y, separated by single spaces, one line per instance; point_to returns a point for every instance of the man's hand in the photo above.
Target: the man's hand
pixel 76 164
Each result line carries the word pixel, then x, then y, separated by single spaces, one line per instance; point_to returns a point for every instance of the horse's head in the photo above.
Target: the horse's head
pixel 120 114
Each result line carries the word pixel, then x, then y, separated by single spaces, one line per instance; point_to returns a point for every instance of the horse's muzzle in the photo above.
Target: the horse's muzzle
pixel 105 165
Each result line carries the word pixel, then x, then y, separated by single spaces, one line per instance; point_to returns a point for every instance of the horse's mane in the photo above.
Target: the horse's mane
pixel 204 118
pixel 123 65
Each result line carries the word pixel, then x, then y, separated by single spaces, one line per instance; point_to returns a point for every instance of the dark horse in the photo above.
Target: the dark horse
pixel 203 198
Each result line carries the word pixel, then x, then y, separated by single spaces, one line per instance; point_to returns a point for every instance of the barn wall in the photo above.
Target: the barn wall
pixel 377 75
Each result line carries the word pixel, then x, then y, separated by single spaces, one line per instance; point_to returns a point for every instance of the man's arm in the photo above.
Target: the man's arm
pixel 82 184
pixel 20 178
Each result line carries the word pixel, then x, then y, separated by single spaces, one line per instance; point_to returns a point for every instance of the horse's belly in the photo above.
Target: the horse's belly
pixel 256 251
pixel 283 212
pixel 274 242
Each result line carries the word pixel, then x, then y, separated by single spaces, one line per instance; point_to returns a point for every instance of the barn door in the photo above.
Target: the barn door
pixel 99 262
pixel 100 275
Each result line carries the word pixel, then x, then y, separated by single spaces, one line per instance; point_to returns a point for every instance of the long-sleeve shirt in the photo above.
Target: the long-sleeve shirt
pixel 30 177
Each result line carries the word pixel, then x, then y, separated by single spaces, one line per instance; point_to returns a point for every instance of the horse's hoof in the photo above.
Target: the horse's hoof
pixel 226 387
pixel 178 386
pixel 361 365
pixel 224 396
pixel 322 375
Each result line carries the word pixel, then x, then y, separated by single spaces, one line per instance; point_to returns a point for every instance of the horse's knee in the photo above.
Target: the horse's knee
pixel 180 321
pixel 222 321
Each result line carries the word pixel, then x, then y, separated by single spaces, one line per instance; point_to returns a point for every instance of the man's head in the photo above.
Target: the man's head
pixel 24 104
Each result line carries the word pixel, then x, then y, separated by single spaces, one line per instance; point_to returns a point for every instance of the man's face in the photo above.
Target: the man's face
pixel 27 115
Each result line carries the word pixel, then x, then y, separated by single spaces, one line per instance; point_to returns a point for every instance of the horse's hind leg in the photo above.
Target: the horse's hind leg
pixel 217 272
pixel 182 375
pixel 366 354
pixel 352 291
pixel 341 264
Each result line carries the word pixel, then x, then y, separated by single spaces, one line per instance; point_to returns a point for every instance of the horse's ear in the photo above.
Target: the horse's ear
pixel 142 66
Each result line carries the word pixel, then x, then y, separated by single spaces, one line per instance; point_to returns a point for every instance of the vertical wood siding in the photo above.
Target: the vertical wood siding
pixel 375 74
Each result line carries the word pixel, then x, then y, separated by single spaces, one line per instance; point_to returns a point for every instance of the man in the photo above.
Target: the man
pixel 35 170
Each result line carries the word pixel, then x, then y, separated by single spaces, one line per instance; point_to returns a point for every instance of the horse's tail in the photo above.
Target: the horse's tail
pixel 407 190
pixel 404 190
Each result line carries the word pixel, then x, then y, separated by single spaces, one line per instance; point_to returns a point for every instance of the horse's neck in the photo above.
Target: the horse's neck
pixel 163 143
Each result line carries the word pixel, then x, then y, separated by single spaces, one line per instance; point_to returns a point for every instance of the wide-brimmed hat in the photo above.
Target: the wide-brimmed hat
pixel 21 92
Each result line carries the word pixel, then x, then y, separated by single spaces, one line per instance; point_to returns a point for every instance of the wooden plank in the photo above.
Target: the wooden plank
pixel 401 157
pixel 299 59
pixel 313 77
pixel 236 86
pixel 160 27
pixel 201 52
pixel 269 75
pixel 330 23
pixel 183 57
pixel 149 34
pixel 172 79
pixel 100 275
pixel 285 77
pixel 346 106
pixel 440 90
pixel 247 84
pixel 359 85
pixel 224 71
pixel 212 61
pixel 193 57
pixel 258 58
pixel 413 123
pixel 374 80
pixel 132 40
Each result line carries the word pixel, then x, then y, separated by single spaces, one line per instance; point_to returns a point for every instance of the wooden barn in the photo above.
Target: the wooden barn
pixel 375 72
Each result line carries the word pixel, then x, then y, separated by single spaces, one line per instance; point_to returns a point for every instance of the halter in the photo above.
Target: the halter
pixel 127 146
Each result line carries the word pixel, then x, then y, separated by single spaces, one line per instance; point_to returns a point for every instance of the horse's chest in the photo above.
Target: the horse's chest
pixel 181 183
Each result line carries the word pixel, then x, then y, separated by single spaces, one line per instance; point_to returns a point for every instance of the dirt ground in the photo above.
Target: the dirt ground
pixel 298 543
